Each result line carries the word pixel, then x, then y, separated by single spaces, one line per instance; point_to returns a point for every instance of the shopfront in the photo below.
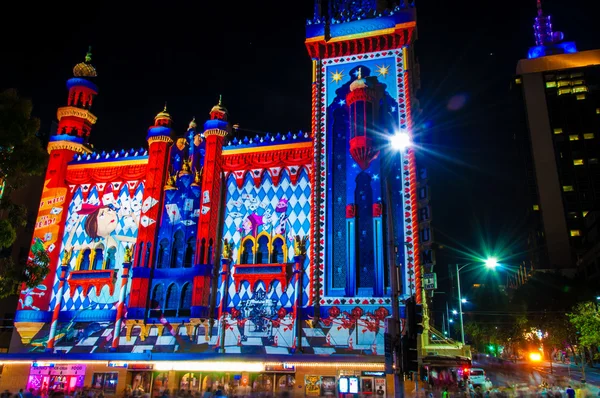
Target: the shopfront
pixel 48 378
pixel 347 384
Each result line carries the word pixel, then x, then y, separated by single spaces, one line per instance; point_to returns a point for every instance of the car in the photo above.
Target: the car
pixel 477 377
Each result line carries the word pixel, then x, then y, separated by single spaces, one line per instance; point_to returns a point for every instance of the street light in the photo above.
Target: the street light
pixel 400 141
pixel 454 312
pixel 491 261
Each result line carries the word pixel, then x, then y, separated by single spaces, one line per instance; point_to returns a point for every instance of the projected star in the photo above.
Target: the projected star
pixel 337 76
pixel 383 70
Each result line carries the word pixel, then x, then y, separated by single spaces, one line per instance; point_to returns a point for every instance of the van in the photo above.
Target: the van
pixel 477 377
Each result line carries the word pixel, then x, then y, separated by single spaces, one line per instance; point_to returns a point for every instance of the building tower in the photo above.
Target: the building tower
pixel 208 244
pixel 558 85
pixel 75 121
pixel 159 141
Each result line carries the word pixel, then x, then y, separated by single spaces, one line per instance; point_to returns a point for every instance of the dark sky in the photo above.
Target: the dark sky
pixel 252 52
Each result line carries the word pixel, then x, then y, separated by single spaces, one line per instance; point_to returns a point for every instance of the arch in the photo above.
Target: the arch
pixel 109 261
pixel 262 248
pixel 163 254
pixel 148 252
pixel 202 251
pixel 278 250
pixel 172 297
pixel 177 250
pixel 209 257
pixel 84 265
pixel 138 263
pixel 98 257
pixel 247 251
pixel 190 250
pixel 186 297
pixel 157 296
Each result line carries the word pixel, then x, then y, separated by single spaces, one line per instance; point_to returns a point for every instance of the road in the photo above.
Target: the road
pixel 533 374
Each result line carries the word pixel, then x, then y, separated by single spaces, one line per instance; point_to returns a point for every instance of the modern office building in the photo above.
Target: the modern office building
pixel 560 89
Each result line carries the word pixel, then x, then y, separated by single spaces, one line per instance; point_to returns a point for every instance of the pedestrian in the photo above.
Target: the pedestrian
pixel 570 392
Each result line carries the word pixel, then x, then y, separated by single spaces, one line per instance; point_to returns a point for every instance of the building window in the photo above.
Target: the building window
pixel 109 261
pixel 558 131
pixel 579 89
pixel 568 188
pixel 585 213
pixel 577 74
pixel 574 137
pixel 186 297
pixel 577 162
pixel 588 136
pixel 247 252
pixel 564 83
pixel 536 207
pixel 597 111
pixel 593 160
pixel 550 84
pixel 572 214
pixel 277 254
pixel 575 232
pixel 563 91
pixel 262 253
pixel 172 297
pixel 518 80
pixel 561 77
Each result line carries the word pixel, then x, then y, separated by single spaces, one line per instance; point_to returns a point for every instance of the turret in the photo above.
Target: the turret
pixel 159 141
pixel 208 243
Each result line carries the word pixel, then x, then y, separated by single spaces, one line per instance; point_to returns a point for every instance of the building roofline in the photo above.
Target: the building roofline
pixel 558 62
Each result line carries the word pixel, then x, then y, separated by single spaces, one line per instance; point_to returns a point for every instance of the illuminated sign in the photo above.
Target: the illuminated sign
pixel 343 385
pixel 373 373
pixel 280 367
pixel 117 364
pixel 353 385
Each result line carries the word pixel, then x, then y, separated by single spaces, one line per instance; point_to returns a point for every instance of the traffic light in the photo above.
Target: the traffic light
pixel 410 360
pixel 414 318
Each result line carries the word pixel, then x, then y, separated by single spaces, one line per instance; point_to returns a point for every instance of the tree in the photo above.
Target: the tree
pixel 586 320
pixel 21 156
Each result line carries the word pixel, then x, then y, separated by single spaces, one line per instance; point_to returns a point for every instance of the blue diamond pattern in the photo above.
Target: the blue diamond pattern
pixel 268 196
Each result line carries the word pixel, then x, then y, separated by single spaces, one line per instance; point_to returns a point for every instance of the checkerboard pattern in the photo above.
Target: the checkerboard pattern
pixel 268 195
pixel 127 201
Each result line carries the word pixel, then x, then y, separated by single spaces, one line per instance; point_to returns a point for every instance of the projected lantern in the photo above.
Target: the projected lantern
pixel 363 102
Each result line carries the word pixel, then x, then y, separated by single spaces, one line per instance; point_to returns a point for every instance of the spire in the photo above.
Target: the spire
pixel 220 100
pixel 88 56
pixel 163 118
pixel 165 109
pixel 85 68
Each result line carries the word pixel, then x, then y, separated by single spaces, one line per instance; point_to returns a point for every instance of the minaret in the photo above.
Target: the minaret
pixel 209 238
pixel 74 126
pixel 159 141
pixel 548 41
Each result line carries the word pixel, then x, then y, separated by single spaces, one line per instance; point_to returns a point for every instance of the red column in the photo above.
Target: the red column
pixel 210 213
pixel 152 203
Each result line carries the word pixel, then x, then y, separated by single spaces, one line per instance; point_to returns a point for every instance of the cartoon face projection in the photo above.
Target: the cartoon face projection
pixel 101 222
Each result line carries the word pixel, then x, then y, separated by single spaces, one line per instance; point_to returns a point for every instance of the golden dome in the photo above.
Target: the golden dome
pixel 219 107
pixel 85 68
pixel 359 82
pixel 163 115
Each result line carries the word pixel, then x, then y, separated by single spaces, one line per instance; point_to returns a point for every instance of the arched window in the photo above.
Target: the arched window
pixel 209 258
pixel 109 261
pixel 189 253
pixel 277 255
pixel 85 260
pixel 262 252
pixel 98 257
pixel 139 255
pixel 202 251
pixel 157 297
pixel 186 297
pixel 177 250
pixel 163 254
pixel 172 300
pixel 247 255
pixel 148 251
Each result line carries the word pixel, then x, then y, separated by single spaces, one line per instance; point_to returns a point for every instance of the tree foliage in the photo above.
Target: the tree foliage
pixel 21 156
pixel 586 320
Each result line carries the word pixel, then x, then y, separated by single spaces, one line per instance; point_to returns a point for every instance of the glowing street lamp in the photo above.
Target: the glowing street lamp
pixel 463 300
pixel 491 262
pixel 400 141
pixel 454 312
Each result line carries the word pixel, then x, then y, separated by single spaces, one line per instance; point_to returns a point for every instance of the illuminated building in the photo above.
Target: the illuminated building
pixel 210 258
pixel 559 87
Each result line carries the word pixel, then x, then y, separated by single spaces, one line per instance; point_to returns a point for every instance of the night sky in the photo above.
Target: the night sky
pixel 252 52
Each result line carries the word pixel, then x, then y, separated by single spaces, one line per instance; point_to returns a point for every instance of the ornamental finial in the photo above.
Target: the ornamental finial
pixel 360 73
pixel 164 110
pixel 220 100
pixel 88 56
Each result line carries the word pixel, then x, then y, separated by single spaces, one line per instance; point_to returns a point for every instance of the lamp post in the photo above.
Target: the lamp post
pixel 399 142
pixel 490 263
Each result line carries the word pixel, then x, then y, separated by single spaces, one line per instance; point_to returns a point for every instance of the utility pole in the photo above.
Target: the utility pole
pixel 394 282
